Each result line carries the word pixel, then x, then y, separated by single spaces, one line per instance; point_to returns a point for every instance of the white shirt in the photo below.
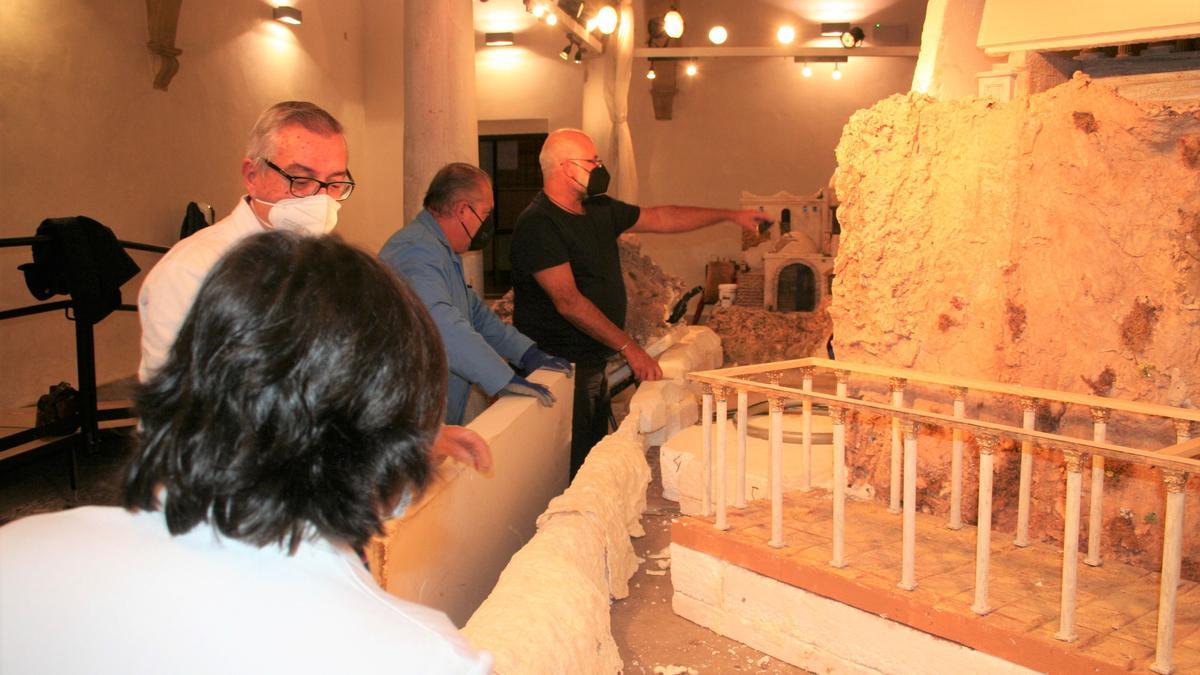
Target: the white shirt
pixel 101 590
pixel 172 284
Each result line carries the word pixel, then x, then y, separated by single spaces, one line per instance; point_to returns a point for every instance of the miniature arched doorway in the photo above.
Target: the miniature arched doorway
pixel 796 289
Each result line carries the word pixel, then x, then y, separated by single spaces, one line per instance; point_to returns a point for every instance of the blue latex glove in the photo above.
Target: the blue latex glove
pixel 519 386
pixel 535 358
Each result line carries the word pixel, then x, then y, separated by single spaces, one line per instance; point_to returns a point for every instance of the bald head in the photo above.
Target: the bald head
pixel 564 144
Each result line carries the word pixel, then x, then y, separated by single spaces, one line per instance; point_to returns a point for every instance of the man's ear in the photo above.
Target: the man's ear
pixel 250 169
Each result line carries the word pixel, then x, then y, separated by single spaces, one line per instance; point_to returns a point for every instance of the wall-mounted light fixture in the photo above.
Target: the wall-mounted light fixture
pixel 498 39
pixel 287 15
pixel 834 29
pixel 607 20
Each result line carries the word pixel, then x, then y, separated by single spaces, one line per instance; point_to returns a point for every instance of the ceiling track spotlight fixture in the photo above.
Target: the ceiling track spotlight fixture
pixel 287 15
pixel 565 54
pixel 650 75
pixel 852 38
pixel 579 54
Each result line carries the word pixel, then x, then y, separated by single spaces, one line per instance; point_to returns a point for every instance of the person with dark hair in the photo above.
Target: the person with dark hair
pixel 568 290
pixel 297 405
pixel 427 253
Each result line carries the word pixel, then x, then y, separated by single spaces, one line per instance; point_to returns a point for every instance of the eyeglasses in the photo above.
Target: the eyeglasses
pixel 302 186
pixel 481 219
pixel 595 162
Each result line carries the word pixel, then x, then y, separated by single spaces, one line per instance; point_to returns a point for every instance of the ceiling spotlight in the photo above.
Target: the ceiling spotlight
pixel 538 9
pixel 836 74
pixel 786 35
pixel 691 69
pixel 650 73
pixel 551 19
pixel 806 71
pixel 498 39
pixel 834 29
pixel 565 54
pixel 852 38
pixel 287 15
pixel 717 35
pixel 579 54
pixel 673 23
pixel 607 19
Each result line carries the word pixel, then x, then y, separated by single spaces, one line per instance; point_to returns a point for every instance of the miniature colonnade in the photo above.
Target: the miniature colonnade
pixel 1174 462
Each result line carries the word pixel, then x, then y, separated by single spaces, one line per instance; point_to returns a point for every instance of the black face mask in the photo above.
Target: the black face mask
pixel 597 181
pixel 482 235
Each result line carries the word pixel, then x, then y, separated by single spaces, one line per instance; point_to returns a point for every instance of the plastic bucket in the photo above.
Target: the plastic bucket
pixel 726 293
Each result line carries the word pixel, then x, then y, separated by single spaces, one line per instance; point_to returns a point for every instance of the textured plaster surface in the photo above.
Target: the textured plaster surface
pixel 1051 241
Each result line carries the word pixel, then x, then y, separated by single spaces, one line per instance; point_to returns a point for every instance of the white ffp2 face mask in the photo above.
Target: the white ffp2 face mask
pixel 313 215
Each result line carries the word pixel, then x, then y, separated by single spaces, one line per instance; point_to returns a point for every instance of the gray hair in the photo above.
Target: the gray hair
pixel 451 183
pixel 263 137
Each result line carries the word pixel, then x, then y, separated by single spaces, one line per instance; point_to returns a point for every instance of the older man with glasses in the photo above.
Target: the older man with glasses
pixel 296 175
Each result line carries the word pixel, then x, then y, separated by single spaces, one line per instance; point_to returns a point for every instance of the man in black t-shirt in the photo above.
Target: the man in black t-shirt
pixel 568 292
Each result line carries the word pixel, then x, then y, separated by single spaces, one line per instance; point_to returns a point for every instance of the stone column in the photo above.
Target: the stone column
pixel 440 121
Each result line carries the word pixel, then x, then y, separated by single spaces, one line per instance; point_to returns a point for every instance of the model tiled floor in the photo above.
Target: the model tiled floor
pixel 1117 611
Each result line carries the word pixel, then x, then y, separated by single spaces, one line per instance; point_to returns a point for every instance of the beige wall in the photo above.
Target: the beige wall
pixel 82 131
pixel 528 81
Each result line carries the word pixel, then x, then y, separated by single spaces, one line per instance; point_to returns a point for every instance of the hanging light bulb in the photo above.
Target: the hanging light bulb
pixel 538 10
pixel 551 19
pixel 836 74
pixel 718 35
pixel 673 23
pixel 807 70
pixel 607 19
pixel 691 69
pixel 786 35
pixel 650 73
pixel 591 24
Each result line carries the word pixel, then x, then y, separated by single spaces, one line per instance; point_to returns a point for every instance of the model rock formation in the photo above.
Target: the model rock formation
pixel 755 335
pixel 1051 241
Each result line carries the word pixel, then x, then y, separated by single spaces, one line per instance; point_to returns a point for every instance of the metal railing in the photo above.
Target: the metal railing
pixel 1174 460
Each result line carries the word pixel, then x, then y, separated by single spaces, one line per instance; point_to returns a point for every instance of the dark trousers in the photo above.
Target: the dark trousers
pixel 589 423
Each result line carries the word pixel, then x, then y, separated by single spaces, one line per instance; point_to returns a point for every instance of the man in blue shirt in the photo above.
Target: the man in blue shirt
pixel 427 254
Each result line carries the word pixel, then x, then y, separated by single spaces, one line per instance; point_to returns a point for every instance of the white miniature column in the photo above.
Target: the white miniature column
pixel 908 579
pixel 706 413
pixel 722 450
pixel 1183 431
pixel 956 460
pixel 838 416
pixel 842 377
pixel 1029 420
pixel 1169 585
pixel 743 397
pixel 776 406
pixel 894 489
pixel 983 532
pixel 1096 505
pixel 806 456
pixel 1070 566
